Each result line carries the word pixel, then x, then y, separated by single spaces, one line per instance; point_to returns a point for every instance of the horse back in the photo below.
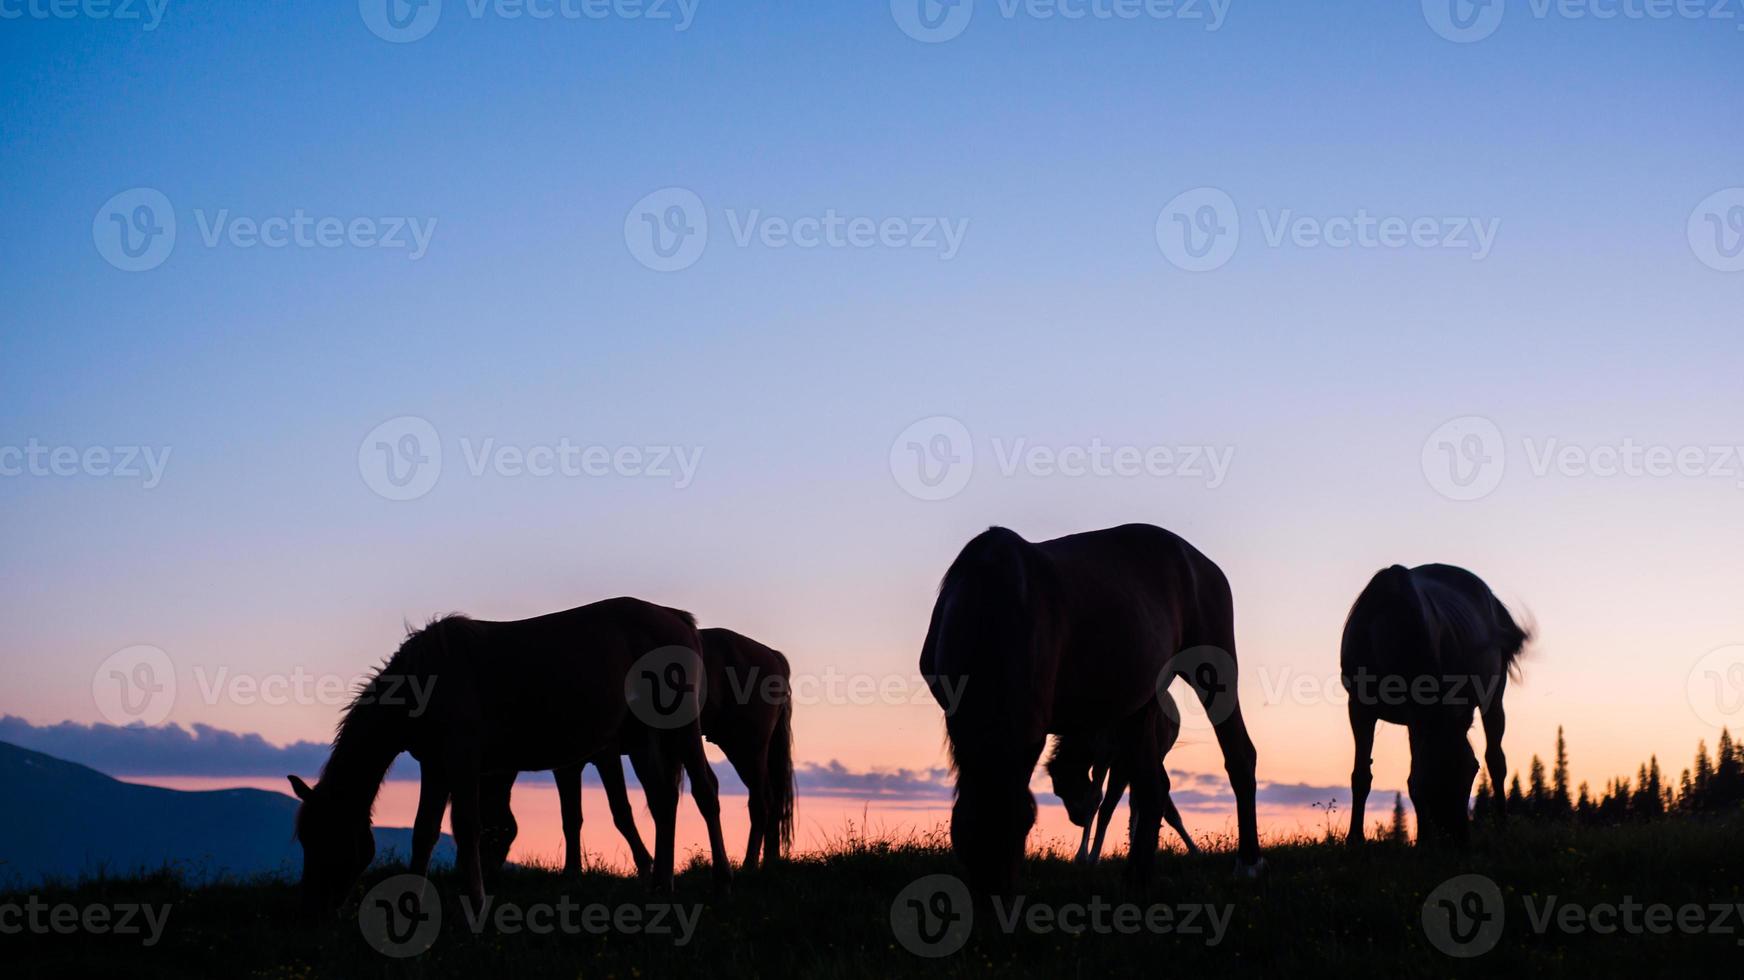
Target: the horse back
pixel 1133 597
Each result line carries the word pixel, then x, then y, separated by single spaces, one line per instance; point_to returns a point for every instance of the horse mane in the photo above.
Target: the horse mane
pixel 996 569
pixel 369 733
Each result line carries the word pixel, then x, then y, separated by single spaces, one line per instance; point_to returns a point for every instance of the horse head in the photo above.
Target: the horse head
pixel 338 846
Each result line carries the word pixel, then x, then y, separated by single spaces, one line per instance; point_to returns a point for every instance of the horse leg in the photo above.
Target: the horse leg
pixel 427 826
pixel 1098 776
pixel 753 771
pixel 705 790
pixel 1105 812
pixel 569 801
pixel 1495 724
pixel 1239 757
pixel 465 820
pixel 659 777
pixel 1139 758
pixel 1362 729
pixel 497 828
pixel 1173 816
pixel 611 774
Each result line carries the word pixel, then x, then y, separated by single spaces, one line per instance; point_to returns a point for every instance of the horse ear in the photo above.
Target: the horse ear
pixel 299 787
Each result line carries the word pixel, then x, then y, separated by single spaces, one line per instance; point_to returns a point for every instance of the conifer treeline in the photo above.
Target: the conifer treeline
pixel 1710 786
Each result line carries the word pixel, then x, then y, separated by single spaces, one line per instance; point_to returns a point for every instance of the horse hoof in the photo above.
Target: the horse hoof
pixel 1250 872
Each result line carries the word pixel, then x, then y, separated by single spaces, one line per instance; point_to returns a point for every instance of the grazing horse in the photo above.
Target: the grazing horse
pixel 1426 647
pixel 474 700
pixel 1087 804
pixel 1070 637
pixel 747 711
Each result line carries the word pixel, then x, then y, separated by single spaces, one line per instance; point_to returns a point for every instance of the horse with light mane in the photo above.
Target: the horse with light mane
pixel 472 700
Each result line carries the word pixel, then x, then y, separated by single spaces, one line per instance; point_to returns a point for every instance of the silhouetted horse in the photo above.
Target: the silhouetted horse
pixel 747 711
pixel 1085 799
pixel 471 700
pixel 1425 647
pixel 1073 636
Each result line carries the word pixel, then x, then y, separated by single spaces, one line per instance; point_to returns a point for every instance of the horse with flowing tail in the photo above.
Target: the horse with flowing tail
pixel 1088 805
pixel 1428 647
pixel 1073 636
pixel 747 711
pixel 472 700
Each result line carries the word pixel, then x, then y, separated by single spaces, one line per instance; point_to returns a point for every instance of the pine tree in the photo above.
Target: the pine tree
pixel 1584 809
pixel 1538 797
pixel 1702 783
pixel 1728 786
pixel 1481 803
pixel 1516 799
pixel 1559 798
pixel 1685 792
pixel 1397 834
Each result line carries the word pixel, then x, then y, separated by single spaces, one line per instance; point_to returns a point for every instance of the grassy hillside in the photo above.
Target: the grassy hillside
pixel 1320 909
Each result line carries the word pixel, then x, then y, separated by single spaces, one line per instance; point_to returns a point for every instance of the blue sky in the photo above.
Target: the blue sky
pixel 1585 143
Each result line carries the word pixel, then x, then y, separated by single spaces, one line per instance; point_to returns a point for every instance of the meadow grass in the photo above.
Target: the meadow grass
pixel 1320 909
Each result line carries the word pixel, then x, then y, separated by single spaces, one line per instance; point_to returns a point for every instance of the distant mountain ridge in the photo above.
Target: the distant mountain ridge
pixel 64 820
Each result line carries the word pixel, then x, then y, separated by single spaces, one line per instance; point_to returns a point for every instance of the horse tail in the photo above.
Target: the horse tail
pixel 781 782
pixel 1514 638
